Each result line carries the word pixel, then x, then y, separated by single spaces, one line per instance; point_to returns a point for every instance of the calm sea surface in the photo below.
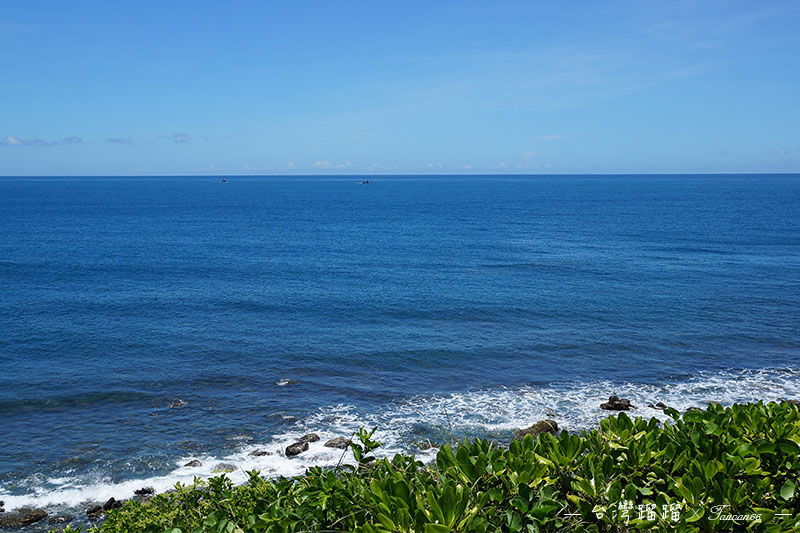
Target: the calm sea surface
pixel 148 321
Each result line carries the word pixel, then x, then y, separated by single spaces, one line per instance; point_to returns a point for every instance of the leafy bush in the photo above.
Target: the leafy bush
pixel 722 469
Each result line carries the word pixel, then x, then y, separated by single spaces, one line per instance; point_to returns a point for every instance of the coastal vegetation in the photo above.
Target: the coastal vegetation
pixel 719 469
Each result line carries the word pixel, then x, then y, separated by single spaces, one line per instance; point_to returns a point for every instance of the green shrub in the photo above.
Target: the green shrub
pixel 722 469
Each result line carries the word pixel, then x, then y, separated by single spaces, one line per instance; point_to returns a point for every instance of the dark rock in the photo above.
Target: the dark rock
pixel 311 437
pixel 112 504
pixel 617 404
pixel 62 519
pixel 223 468
pixel 177 403
pixel 338 442
pixel 796 403
pixel 542 426
pixel 94 512
pixel 146 491
pixel 259 453
pixel 693 409
pixel 296 449
pixel 660 405
pixel 24 516
pixel 194 463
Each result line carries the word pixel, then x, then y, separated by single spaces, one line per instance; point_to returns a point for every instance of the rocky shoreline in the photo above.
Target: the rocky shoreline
pixel 27 516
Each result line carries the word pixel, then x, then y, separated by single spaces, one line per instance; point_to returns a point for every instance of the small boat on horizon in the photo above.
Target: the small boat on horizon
pixel 365 182
pixel 224 180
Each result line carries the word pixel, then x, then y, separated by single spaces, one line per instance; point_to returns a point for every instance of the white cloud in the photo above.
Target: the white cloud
pixel 323 164
pixel 527 155
pixel 467 167
pixel 181 138
pixel 73 140
pixel 290 165
pixel 780 152
pixel 13 141
pixel 500 165
pixel 436 165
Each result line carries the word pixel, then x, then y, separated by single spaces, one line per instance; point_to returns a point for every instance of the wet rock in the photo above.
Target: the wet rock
pixel 112 504
pixel 24 516
pixel 62 519
pixel 659 405
pixel 311 437
pixel 223 468
pixel 296 449
pixel 194 463
pixel 617 404
pixel 338 442
pixel 94 512
pixel 542 426
pixel 796 403
pixel 259 453
pixel 693 409
pixel 145 491
pixel 177 403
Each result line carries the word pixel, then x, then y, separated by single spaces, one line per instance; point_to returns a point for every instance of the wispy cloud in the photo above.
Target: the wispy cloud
pixel 723 152
pixel 325 164
pixel 527 155
pixel 549 137
pixel 291 165
pixel 436 165
pixel 73 140
pixel 10 140
pixel 120 140
pixel 178 138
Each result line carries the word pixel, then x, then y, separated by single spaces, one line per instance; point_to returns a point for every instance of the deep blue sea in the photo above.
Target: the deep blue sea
pixel 145 322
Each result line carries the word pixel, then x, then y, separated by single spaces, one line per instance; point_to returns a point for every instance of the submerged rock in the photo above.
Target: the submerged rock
pixel 24 516
pixel 259 453
pixel 542 426
pixel 95 511
pixel 194 463
pixel 62 519
pixel 223 468
pixel 659 405
pixel 617 404
pixel 338 442
pixel 178 403
pixel 311 437
pixel 296 449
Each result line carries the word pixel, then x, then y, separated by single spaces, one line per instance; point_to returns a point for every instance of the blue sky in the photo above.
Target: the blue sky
pixel 146 87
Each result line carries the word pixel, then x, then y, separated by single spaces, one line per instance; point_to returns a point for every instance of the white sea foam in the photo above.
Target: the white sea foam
pixel 493 413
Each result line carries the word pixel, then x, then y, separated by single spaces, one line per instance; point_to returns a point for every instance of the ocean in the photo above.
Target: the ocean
pixel 149 321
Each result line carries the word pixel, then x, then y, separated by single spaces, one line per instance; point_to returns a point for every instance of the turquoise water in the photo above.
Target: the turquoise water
pixel 264 308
